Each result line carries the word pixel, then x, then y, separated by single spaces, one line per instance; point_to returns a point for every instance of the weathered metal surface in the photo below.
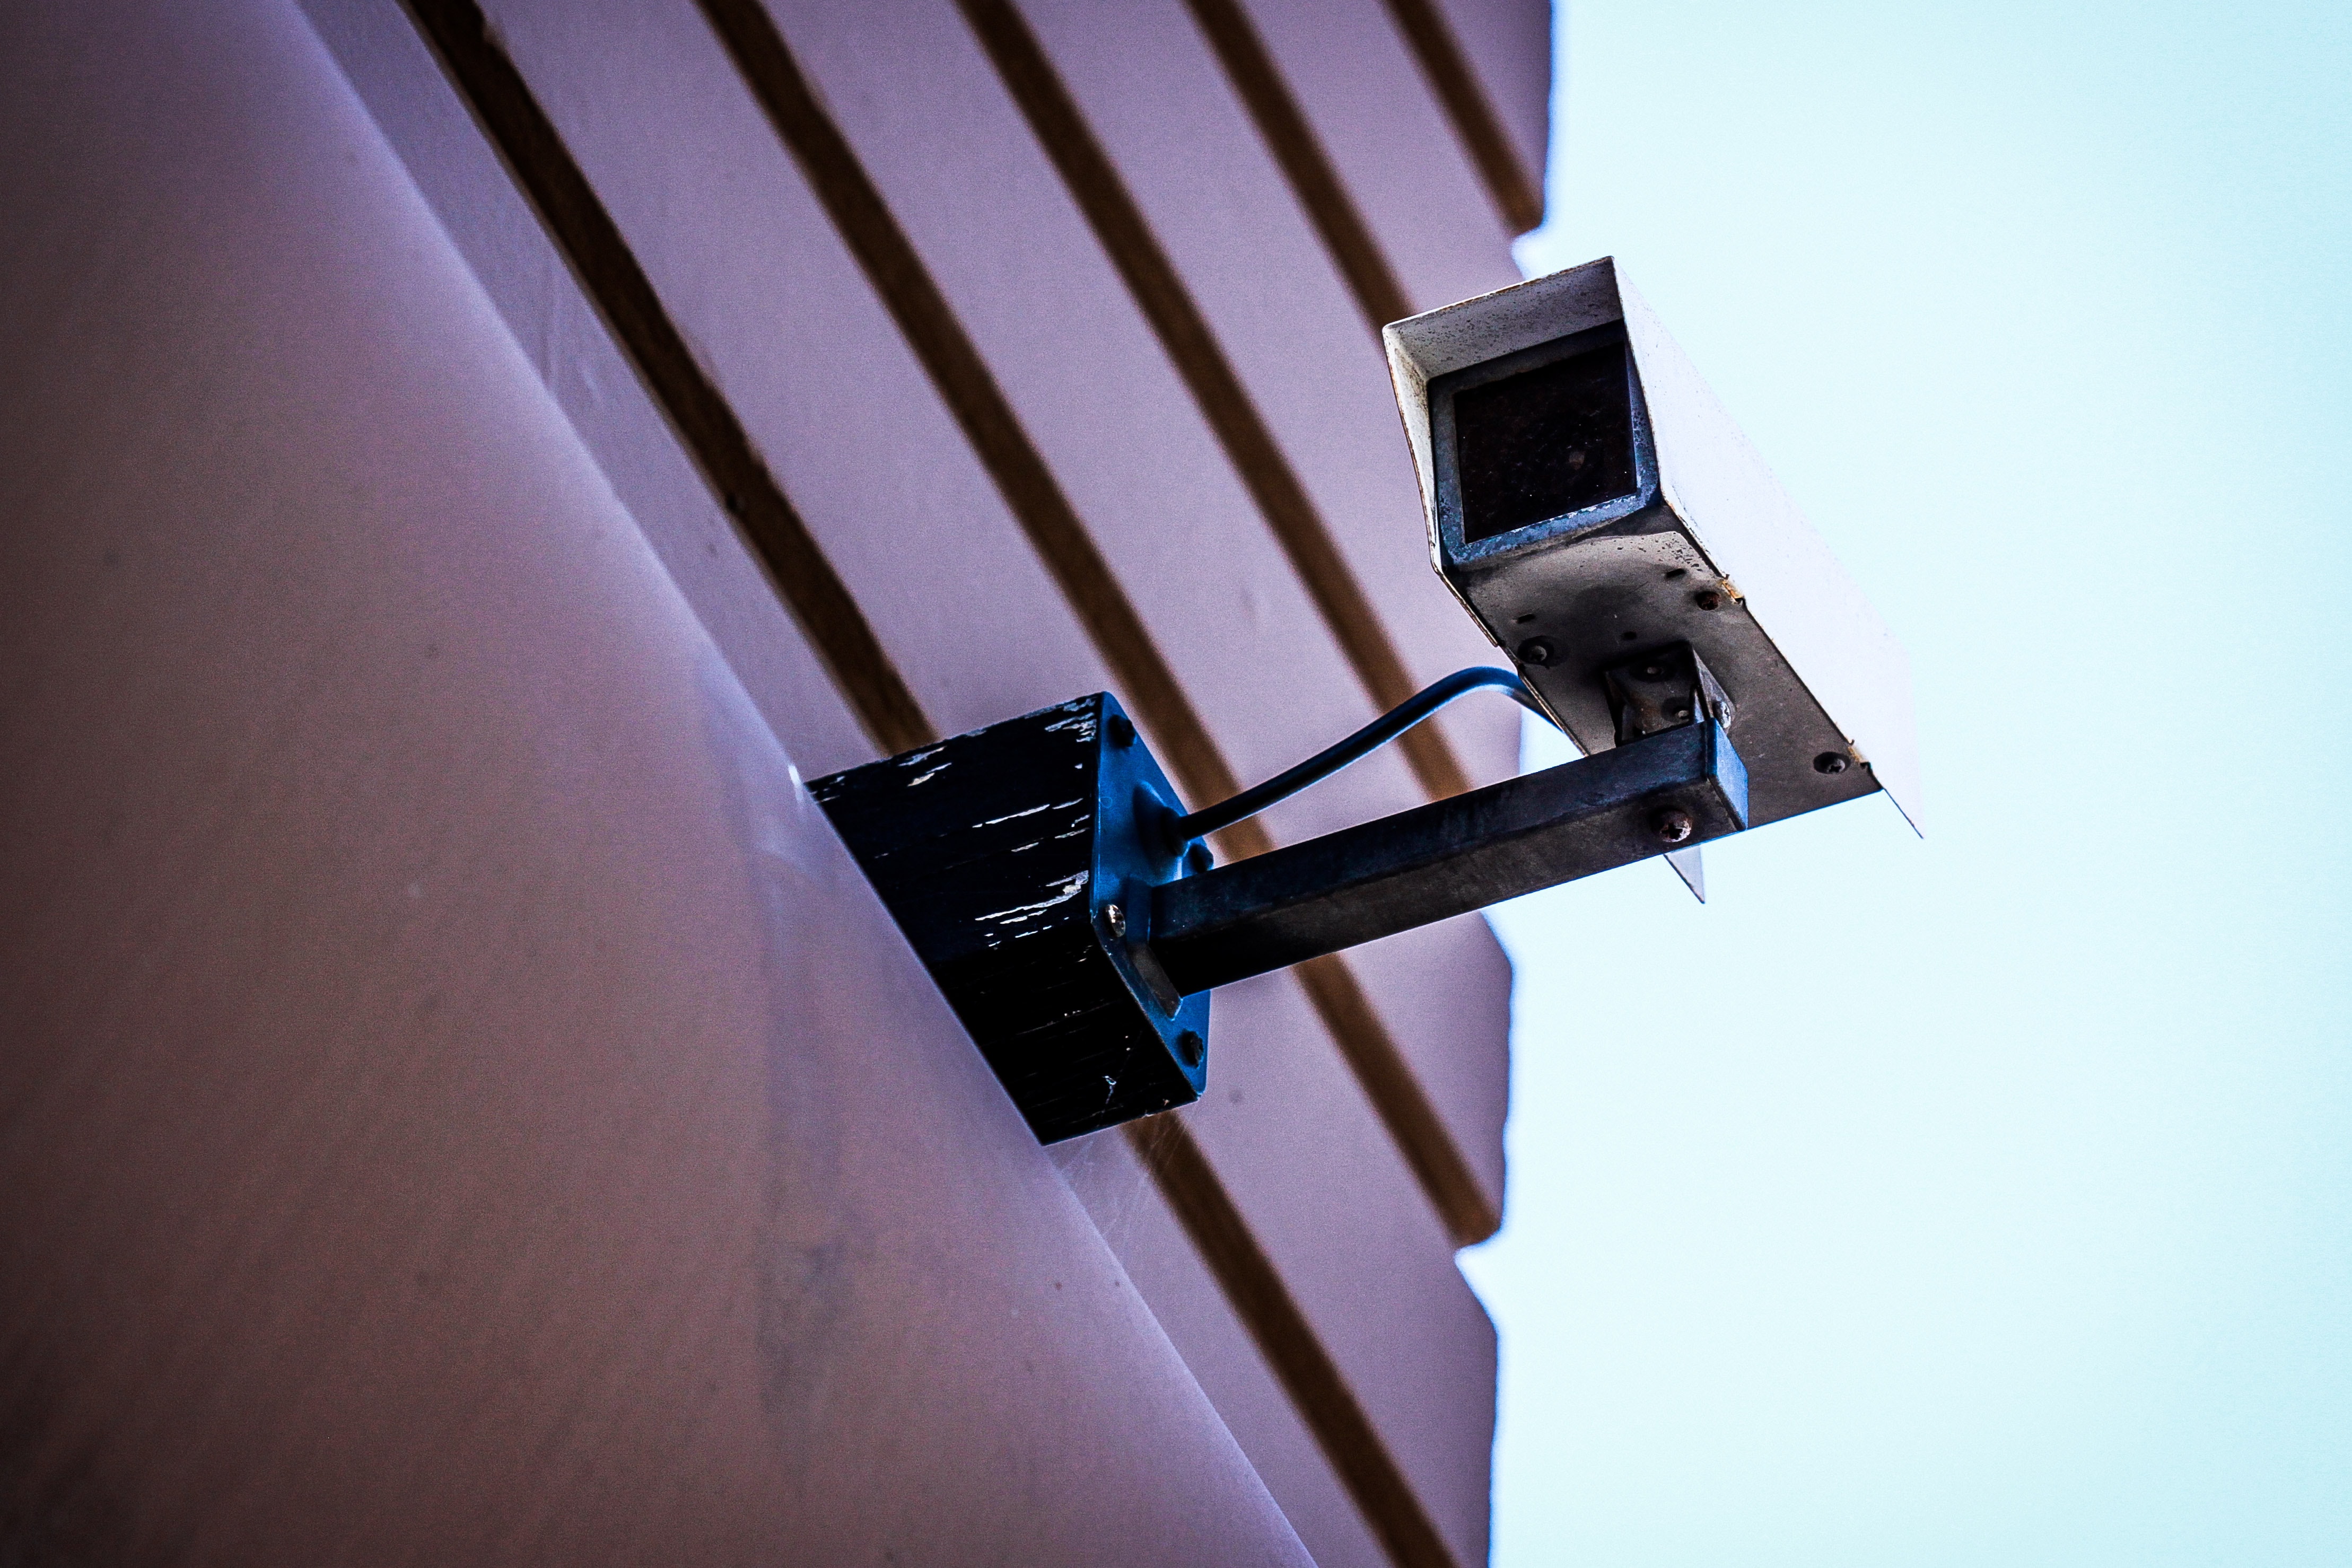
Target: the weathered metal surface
pixel 1664 791
pixel 1663 690
pixel 1010 857
pixel 1703 547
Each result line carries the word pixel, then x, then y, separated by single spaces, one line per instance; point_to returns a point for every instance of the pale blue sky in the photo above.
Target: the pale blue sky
pixel 1988 1199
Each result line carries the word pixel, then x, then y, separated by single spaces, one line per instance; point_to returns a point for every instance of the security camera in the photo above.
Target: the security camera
pixel 1610 528
pixel 1597 512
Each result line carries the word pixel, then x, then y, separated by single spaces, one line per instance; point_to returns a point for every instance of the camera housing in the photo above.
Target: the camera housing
pixel 1596 510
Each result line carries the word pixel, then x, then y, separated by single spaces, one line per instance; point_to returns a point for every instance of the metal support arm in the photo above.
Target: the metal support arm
pixel 1664 792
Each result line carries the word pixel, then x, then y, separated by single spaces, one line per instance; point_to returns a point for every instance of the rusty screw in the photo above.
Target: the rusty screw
pixel 1115 919
pixel 1829 762
pixel 1535 651
pixel 1673 826
pixel 1707 598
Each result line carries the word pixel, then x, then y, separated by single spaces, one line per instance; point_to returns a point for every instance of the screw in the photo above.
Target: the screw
pixel 1829 762
pixel 1115 919
pixel 1673 826
pixel 1653 672
pixel 1122 731
pixel 1189 1047
pixel 1707 598
pixel 1535 651
pixel 1678 712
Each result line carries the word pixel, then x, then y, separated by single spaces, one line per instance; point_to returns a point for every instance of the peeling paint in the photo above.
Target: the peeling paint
pixel 1069 887
pixel 1016 816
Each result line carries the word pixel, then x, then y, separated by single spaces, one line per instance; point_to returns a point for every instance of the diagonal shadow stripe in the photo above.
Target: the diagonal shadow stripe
pixel 1225 405
pixel 1425 30
pixel 706 424
pixel 1284 127
pixel 1314 1383
pixel 969 389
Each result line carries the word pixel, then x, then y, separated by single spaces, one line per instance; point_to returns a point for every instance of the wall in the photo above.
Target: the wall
pixel 461 1103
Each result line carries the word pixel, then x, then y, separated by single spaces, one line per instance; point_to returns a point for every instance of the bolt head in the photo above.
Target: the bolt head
pixel 1673 826
pixel 1535 650
pixel 1831 762
pixel 1122 730
pixel 1190 1048
pixel 1115 919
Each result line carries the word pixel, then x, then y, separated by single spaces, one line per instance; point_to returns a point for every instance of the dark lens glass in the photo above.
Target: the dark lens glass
pixel 1545 442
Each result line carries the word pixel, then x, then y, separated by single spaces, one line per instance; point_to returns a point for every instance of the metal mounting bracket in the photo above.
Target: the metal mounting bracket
pixel 1029 865
pixel 1657 691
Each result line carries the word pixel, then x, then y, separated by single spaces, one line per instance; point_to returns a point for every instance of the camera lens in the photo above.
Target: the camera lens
pixel 1544 443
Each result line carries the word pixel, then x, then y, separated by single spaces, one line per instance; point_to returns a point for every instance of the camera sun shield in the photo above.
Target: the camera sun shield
pixel 1591 502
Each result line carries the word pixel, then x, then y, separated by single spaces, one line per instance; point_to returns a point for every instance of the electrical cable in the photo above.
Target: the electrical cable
pixel 1372 738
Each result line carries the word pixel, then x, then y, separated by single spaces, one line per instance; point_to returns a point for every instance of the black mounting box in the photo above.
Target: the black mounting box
pixel 1019 861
